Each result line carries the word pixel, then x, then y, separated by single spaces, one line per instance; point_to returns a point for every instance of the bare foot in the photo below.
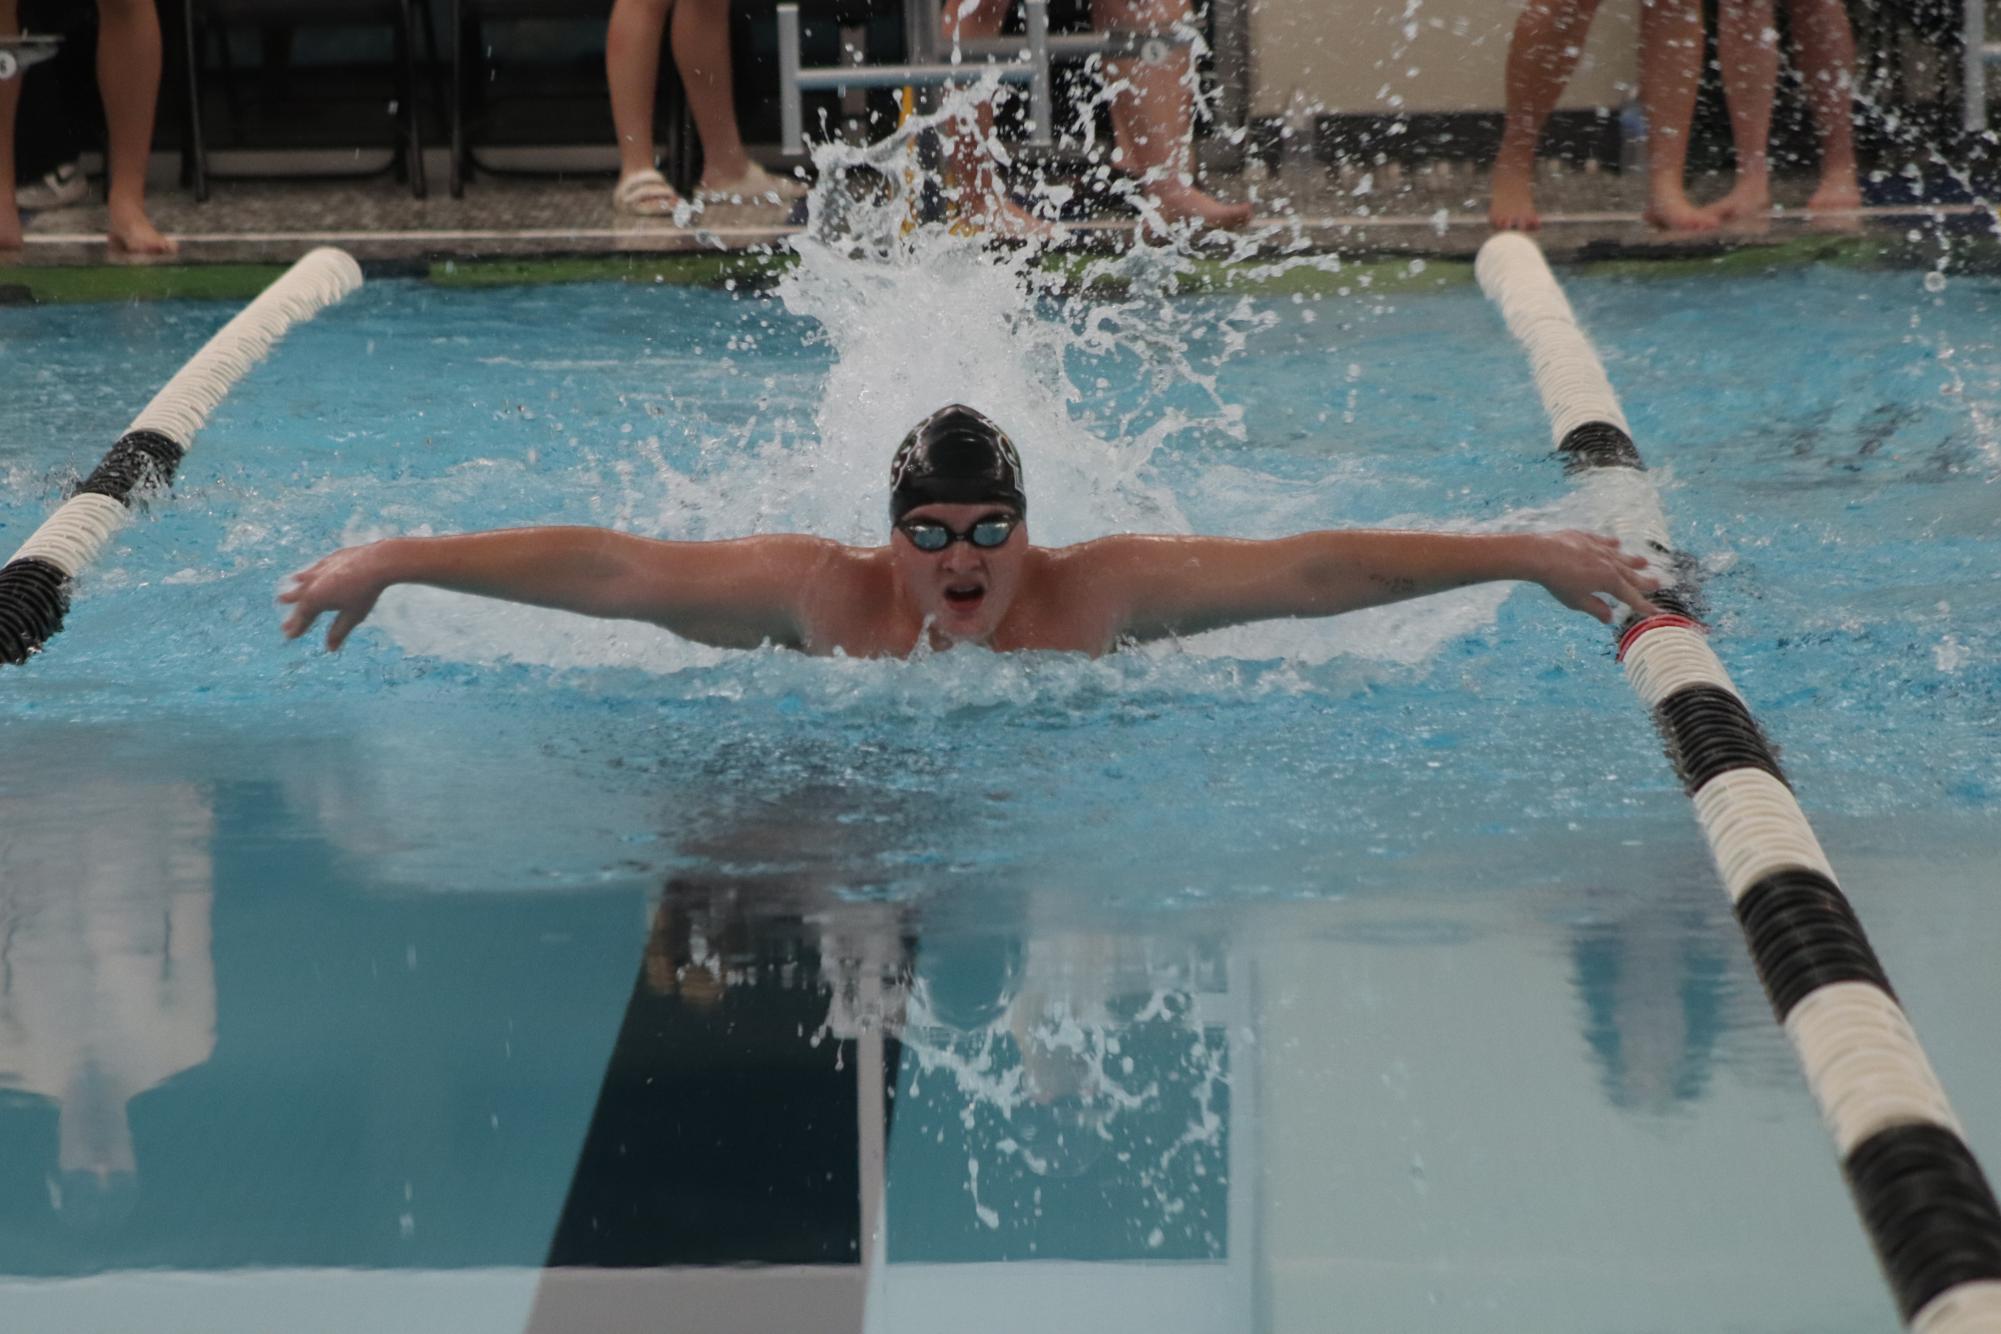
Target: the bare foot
pixel 1838 193
pixel 131 232
pixel 10 227
pixel 1000 215
pixel 1672 211
pixel 1512 209
pixel 1750 197
pixel 1185 203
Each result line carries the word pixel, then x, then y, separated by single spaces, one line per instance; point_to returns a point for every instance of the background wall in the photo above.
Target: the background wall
pixel 1357 56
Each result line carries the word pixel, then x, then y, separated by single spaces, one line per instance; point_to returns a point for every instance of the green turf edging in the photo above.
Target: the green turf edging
pixel 1092 272
pixel 703 269
pixel 139 282
pixel 1323 275
pixel 1878 249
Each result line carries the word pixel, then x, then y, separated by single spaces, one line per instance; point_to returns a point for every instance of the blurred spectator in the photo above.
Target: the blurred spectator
pixel 1548 39
pixel 701 41
pixel 128 76
pixel 1153 119
pixel 1748 47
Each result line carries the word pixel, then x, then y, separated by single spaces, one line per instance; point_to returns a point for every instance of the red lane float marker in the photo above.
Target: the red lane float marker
pixel 1639 628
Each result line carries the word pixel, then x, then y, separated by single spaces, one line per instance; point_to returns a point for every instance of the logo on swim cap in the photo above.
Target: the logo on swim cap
pixel 956 456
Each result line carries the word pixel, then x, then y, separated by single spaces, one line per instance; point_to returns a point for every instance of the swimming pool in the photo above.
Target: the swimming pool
pixel 510 971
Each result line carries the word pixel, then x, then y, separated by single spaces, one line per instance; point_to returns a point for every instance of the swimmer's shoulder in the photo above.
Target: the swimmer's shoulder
pixel 1105 558
pixel 845 597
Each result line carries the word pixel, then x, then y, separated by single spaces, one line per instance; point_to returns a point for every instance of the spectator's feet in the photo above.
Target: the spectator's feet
pixel 1184 203
pixel 1672 211
pixel 59 188
pixel 1839 192
pixel 1749 198
pixel 645 194
pixel 131 232
pixel 1512 208
pixel 755 186
pixel 1003 217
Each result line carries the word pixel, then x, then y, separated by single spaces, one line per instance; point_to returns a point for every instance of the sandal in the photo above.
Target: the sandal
pixel 755 186
pixel 645 194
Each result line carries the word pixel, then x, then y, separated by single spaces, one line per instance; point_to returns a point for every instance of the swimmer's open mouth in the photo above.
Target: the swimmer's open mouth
pixel 964 597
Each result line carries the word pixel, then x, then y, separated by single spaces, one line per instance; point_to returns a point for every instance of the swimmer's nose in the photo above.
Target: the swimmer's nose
pixel 960 556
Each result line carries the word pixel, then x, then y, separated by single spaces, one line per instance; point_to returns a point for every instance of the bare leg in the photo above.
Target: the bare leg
pixel 1827 59
pixel 128 77
pixel 10 97
pixel 632 70
pixel 1153 117
pixel 702 54
pixel 1670 66
pixel 1542 55
pixel 1748 46
pixel 982 197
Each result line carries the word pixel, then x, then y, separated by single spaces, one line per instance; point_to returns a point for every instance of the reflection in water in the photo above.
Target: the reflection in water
pixel 860 1096
pixel 1076 1083
pixel 1654 978
pixel 992 1107
pixel 726 1126
pixel 107 985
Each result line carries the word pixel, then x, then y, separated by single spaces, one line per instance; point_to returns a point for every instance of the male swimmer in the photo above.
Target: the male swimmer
pixel 958 569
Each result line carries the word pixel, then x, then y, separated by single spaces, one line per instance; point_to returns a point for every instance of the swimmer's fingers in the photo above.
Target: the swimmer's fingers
pixel 1616 547
pixel 1634 595
pixel 300 621
pixel 304 613
pixel 1586 603
pixel 343 626
pixel 305 608
pixel 1583 594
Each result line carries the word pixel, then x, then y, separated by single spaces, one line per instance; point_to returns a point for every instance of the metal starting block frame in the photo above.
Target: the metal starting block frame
pixel 1983 62
pixel 1013 59
pixel 17 53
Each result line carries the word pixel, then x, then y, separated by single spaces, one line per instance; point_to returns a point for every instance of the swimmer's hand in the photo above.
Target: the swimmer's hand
pixel 346 583
pixel 1576 566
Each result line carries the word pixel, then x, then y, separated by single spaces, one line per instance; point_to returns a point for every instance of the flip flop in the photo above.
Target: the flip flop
pixel 755 186
pixel 645 194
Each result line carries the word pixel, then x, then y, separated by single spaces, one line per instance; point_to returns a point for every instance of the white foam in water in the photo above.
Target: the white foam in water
pixel 916 316
pixel 1094 1032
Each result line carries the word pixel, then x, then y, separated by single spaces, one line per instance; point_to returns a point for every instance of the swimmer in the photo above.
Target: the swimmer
pixel 958 569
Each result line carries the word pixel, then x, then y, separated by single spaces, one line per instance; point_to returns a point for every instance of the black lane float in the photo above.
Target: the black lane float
pixel 35 582
pixel 1928 1210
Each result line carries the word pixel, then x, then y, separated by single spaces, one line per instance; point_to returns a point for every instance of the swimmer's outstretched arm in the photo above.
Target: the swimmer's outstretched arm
pixel 734 594
pixel 1184 585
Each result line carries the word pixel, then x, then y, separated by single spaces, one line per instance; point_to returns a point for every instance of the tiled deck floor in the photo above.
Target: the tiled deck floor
pixel 1436 210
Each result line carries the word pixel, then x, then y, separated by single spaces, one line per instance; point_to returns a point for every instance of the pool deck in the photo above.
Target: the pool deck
pixel 1433 211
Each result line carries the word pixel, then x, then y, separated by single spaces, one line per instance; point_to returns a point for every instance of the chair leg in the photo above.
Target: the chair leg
pixel 458 168
pixel 408 127
pixel 434 65
pixel 195 156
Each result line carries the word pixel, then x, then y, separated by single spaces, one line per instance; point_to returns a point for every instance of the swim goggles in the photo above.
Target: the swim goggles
pixel 986 534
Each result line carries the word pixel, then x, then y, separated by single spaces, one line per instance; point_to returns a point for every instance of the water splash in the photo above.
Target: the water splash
pixel 1092 1060
pixel 1095 365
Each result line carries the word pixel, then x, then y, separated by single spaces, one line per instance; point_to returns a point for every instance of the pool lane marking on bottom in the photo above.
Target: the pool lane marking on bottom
pixel 35 582
pixel 1928 1210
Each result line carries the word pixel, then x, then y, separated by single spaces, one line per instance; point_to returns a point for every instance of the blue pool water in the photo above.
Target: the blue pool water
pixel 513 971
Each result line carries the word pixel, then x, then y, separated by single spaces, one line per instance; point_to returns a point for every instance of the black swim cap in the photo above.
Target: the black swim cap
pixel 956 456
